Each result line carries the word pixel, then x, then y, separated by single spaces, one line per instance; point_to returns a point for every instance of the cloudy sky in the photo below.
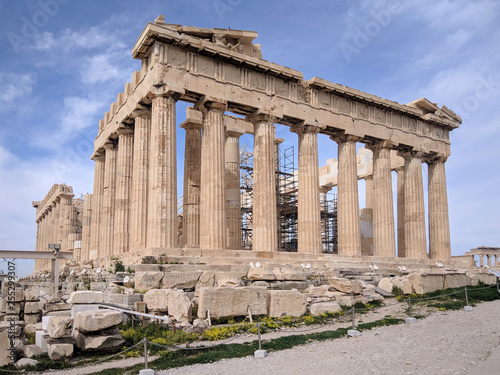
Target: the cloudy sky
pixel 64 61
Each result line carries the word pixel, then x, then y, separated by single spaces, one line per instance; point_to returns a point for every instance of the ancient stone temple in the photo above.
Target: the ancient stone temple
pixel 59 220
pixel 133 208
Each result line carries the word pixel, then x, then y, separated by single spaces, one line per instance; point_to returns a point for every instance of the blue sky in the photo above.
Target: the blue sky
pixel 64 61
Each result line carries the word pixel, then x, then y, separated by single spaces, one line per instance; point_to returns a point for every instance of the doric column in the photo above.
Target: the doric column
pixel 264 226
pixel 309 219
pixel 123 184
pixel 97 200
pixel 369 191
pixel 108 200
pixel 233 199
pixel 192 178
pixel 213 186
pixel 415 237
pixel 481 260
pixel 140 177
pixel 349 234
pixel 65 219
pixel 384 239
pixel 439 222
pixel 86 227
pixel 401 211
pixel 162 200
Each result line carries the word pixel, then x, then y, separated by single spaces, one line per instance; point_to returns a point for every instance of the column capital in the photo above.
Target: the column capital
pixel 125 131
pixel 380 144
pixel 343 138
pixel 261 116
pixel 140 112
pixel 303 128
pixel 109 145
pixel 166 91
pixel 213 105
pixel 433 158
pixel 234 133
pixel 411 154
pixel 368 177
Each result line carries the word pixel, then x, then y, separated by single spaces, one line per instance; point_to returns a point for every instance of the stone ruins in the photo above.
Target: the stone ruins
pixel 133 208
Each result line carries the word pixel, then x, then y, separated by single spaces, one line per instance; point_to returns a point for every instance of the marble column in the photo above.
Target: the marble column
pixel 369 192
pixel 192 178
pixel 264 226
pixel 122 226
pixel 66 208
pixel 86 227
pixel 415 236
pixel 233 198
pixel 96 227
pixel 162 200
pixel 308 200
pixel 384 238
pixel 108 200
pixel 140 177
pixel 349 233
pixel 401 211
pixel 439 222
pixel 213 186
pixel 481 260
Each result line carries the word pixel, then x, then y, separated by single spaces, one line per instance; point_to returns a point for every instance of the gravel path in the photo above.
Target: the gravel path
pixel 450 342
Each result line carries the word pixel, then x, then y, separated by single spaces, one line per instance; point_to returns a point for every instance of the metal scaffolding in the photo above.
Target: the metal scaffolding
pixel 286 200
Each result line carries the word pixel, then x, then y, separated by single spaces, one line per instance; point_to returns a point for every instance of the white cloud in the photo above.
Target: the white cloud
pixel 14 86
pixel 104 67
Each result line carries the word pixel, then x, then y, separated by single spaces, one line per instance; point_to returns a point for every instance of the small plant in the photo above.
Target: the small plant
pixel 75 287
pixel 118 266
pixel 130 270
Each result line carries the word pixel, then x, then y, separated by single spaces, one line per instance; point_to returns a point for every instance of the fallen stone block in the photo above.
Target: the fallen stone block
pixel 24 362
pixel 180 280
pixel 386 284
pixel 180 306
pixel 426 283
pixel 96 320
pixel 157 299
pixel 31 318
pixel 286 303
pixel 486 278
pixel 456 280
pixel 32 307
pixel 104 341
pixel 206 280
pixel 260 273
pixel 31 350
pixel 289 273
pixel 232 301
pixel 324 307
pixel 4 348
pixel 41 338
pixel 60 326
pixel 60 351
pixel 86 297
pixel 58 306
pixel 148 280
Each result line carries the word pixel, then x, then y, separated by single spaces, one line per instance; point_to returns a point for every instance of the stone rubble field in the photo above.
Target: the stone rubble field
pixel 447 342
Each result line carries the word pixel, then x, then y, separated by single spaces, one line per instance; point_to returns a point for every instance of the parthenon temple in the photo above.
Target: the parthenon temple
pixel 133 210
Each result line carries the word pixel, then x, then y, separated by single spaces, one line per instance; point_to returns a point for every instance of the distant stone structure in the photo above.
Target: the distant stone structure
pixel 133 208
pixel 58 219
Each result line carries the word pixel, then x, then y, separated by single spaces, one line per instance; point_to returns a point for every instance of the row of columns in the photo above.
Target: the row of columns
pixel 134 204
pixel 412 242
pixel 491 260
pixel 56 225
